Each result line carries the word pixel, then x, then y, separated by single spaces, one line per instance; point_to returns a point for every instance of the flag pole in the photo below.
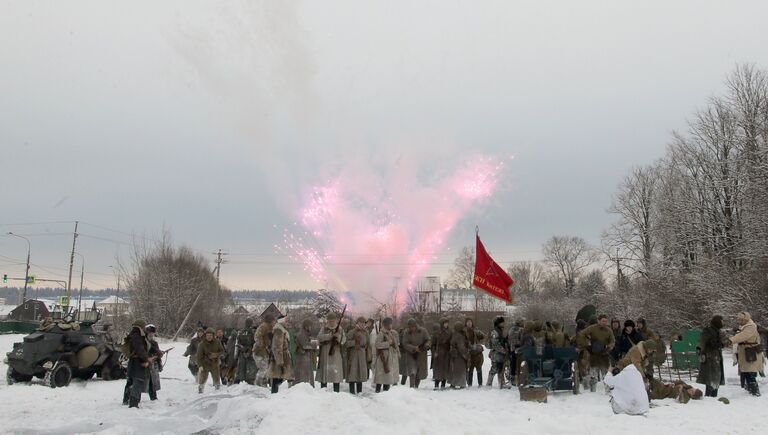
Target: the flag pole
pixel 477 234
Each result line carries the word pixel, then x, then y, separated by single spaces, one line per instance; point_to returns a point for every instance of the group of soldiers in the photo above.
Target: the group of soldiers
pixel 354 353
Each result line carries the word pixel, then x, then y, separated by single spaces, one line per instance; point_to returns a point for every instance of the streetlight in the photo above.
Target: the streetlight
pixel 26 275
pixel 80 296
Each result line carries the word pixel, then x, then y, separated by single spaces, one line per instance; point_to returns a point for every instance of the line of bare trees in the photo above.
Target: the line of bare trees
pixel 692 229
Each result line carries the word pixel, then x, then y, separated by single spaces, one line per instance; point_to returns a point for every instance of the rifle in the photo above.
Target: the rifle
pixel 335 330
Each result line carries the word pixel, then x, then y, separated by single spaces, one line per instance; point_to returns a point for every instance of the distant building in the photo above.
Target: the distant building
pixel 30 310
pixel 271 309
pixel 112 305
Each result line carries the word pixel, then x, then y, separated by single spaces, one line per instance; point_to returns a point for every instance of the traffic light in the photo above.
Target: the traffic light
pixel 5 277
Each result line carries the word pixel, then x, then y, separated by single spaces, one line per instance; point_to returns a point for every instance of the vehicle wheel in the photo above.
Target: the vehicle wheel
pixel 575 378
pixel 12 377
pixel 59 376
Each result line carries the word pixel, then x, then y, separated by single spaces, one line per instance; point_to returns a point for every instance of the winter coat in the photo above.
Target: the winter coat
pixel 281 366
pixel 191 350
pixel 261 341
pixel 748 337
pixel 514 337
pixel 139 354
pixel 244 343
pixel 401 360
pixel 306 352
pixel 601 343
pixel 208 353
pixel 474 338
pixel 387 344
pixel 441 347
pixel 415 346
pixel 357 355
pixel 330 369
pixel 628 395
pixel 710 350
pixel 636 357
pixel 498 343
pixel 156 366
pixel 459 357
pixel 625 343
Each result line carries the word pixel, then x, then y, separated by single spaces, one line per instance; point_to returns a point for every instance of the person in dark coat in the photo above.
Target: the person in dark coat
pixel 245 365
pixel 459 357
pixel 156 364
pixel 474 339
pixel 138 365
pixel 629 337
pixel 441 348
pixel 710 350
pixel 499 352
pixel 415 344
pixel 191 351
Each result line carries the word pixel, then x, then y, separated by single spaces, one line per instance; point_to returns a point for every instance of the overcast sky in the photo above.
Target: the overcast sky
pixel 212 118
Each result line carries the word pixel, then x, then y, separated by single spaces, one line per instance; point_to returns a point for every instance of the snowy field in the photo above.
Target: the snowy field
pixel 95 407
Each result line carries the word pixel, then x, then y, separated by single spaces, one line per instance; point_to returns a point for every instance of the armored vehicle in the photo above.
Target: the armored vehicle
pixel 60 350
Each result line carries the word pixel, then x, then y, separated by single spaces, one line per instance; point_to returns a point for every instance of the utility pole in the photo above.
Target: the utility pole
pixel 26 275
pixel 71 264
pixel 80 295
pixel 219 261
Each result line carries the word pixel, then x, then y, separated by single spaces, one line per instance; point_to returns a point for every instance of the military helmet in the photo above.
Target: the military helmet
pixel 140 323
pixel 387 321
pixel 458 327
pixel 306 324
pixel 411 322
pixel 332 316
pixel 361 319
pixel 268 318
pixel 249 323
pixel 650 345
pixel 210 331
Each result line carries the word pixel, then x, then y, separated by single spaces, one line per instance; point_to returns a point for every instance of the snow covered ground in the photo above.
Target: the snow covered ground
pixel 95 407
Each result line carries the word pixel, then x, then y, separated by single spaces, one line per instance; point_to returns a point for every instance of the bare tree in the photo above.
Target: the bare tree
pixel 463 271
pixel 529 277
pixel 165 281
pixel 632 239
pixel 569 255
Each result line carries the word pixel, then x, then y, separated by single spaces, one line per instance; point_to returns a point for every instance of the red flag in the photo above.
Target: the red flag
pixel 489 276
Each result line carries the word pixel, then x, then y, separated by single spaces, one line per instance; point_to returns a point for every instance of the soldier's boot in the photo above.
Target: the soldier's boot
pixel 403 378
pixel 386 387
pixel 710 392
pixel 200 388
pixel 412 381
pixel 336 387
pixel 217 387
pixel 152 395
pixel 469 378
pixel 502 384
pixel 126 395
pixel 442 385
pixel 490 379
pixel 437 385
pixel 378 388
pixel 352 388
pixel 753 388
pixel 593 383
pixel 133 402
pixel 418 382
pixel 479 379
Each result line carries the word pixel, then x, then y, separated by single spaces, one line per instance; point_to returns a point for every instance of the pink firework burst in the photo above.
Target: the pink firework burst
pixel 478 179
pixel 312 260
